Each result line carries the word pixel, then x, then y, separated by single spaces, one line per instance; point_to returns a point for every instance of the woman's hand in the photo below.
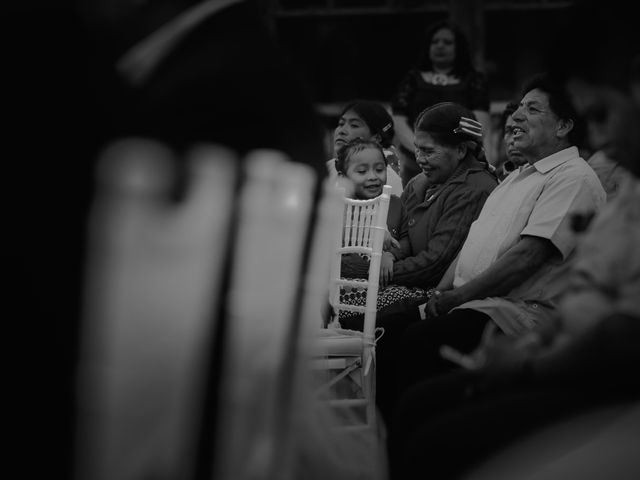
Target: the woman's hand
pixel 389 242
pixel 386 268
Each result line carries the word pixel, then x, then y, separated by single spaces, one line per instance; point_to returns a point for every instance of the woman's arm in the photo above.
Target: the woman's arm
pixel 445 236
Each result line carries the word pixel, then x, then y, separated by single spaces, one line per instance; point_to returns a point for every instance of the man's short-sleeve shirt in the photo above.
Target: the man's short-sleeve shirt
pixel 537 200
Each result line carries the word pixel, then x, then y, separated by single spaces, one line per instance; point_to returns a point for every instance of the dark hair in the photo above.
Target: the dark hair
pixel 462 63
pixel 376 117
pixel 559 102
pixel 351 148
pixel 442 122
pixel 509 108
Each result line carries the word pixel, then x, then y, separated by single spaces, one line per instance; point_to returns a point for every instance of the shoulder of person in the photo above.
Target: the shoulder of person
pixel 417 183
pixel 477 180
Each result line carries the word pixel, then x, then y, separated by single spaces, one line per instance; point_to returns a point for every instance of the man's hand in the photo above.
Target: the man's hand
pixel 441 302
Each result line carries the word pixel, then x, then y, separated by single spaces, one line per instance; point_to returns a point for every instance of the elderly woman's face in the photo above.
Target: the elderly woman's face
pixel 437 161
pixel 613 121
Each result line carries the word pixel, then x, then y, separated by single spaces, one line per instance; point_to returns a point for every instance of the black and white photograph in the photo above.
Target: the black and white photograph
pixel 322 239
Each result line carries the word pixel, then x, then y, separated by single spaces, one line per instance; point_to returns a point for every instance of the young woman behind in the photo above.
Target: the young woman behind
pixel 367 120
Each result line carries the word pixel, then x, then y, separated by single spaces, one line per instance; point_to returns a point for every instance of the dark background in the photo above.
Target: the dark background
pixel 362 49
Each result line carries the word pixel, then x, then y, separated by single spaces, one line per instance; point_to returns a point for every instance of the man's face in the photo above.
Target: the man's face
pixel 535 126
pixel 513 154
pixel 613 121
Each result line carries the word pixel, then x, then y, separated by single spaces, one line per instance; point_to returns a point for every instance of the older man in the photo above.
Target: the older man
pixel 508 267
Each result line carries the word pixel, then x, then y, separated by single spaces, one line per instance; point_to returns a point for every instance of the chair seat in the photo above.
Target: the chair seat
pixel 339 342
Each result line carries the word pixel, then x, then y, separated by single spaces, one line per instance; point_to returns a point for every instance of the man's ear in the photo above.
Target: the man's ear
pixel 564 127
pixel 462 150
pixel 378 138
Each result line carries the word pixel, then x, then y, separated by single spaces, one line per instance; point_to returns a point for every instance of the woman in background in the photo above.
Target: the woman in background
pixel 445 73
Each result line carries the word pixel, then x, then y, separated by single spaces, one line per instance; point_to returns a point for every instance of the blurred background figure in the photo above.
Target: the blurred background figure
pixel 510 157
pixel 445 72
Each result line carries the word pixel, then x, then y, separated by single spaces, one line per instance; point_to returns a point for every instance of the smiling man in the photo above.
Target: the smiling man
pixel 508 269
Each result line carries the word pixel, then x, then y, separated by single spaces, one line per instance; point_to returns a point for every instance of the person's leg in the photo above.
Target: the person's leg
pixel 418 350
pixel 434 397
pixel 446 442
pixel 394 320
pixel 414 353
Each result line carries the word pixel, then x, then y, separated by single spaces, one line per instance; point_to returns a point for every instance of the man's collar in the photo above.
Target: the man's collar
pixel 139 62
pixel 556 159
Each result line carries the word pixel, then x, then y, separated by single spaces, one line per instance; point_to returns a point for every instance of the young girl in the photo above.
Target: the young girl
pixel 364 165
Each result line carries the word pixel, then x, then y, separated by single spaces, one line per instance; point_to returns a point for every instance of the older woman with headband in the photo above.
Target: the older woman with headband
pixel 441 202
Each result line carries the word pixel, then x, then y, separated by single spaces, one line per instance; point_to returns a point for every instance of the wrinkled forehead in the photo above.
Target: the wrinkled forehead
pixel 535 97
pixel 423 139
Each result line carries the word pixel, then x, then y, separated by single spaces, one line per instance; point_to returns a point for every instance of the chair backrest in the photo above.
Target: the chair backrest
pixel 275 207
pixel 154 274
pixel 363 230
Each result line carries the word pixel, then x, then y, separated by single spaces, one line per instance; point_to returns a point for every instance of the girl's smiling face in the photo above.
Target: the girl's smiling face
pixel 367 170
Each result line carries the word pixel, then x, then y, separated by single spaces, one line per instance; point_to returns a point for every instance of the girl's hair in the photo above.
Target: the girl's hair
pixel 451 124
pixel 462 63
pixel 354 146
pixel 376 117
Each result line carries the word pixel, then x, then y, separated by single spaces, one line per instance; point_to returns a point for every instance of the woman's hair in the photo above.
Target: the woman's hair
pixel 376 117
pixel 451 124
pixel 462 63
pixel 354 146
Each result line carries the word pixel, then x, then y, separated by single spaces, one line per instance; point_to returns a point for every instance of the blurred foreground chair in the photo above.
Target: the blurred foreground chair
pixel 200 319
pixel 153 285
pixel 347 360
pixel 263 307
